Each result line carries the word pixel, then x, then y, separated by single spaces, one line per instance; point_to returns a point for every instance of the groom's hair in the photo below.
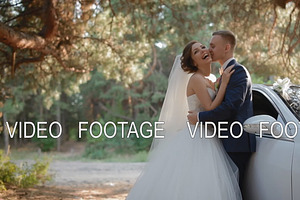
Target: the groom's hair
pixel 228 36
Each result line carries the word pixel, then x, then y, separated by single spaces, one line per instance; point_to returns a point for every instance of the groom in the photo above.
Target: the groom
pixel 236 106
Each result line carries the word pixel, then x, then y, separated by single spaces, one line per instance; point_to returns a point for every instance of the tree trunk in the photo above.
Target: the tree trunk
pixel 63 113
pixel 58 118
pixel 41 117
pixel 6 139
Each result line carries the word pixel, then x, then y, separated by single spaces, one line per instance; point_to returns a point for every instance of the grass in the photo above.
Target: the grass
pixel 23 154
pixel 138 157
pixel 71 151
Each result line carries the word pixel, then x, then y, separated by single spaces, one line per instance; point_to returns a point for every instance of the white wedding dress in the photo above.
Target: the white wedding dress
pixel 186 168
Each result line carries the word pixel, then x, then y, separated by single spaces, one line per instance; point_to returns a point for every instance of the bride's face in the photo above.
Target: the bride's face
pixel 200 55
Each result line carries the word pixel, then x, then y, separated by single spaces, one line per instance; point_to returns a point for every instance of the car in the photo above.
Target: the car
pixel 273 172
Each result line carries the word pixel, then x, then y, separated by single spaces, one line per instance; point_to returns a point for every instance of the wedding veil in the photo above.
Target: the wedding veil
pixel 175 106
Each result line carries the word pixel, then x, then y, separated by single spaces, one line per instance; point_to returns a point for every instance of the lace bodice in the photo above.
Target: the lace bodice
pixel 195 104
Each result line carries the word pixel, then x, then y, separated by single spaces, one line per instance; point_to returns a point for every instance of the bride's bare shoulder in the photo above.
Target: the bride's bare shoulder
pixel 197 78
pixel 196 82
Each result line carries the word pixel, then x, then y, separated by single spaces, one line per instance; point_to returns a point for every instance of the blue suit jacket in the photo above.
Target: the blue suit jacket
pixel 236 106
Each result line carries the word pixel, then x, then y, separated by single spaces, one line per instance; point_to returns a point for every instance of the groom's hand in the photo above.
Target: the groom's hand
pixel 192 117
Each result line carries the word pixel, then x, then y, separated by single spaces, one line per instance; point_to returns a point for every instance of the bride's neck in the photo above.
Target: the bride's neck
pixel 205 71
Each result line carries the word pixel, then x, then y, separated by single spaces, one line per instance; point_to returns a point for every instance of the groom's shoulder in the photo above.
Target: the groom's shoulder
pixel 239 66
pixel 241 70
pixel 236 63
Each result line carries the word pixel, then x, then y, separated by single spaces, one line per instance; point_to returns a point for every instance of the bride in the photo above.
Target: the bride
pixel 181 167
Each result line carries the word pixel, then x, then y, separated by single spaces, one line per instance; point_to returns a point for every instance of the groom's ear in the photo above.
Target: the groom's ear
pixel 227 47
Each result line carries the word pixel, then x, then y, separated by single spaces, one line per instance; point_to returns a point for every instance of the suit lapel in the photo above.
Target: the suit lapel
pixel 232 62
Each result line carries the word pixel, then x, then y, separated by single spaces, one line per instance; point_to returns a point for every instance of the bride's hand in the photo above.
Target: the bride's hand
pixel 227 74
pixel 210 83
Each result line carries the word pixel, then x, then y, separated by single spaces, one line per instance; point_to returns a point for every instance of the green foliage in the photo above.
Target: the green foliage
pixel 73 134
pixel 23 176
pixel 33 175
pixel 125 50
pixel 134 104
pixel 259 79
pixel 7 170
pixel 104 147
pixel 141 156
pixel 45 144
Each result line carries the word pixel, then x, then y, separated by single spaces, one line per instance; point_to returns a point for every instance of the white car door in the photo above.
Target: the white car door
pixel 269 173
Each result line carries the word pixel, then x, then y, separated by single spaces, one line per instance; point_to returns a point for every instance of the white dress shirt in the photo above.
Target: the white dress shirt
pixel 226 63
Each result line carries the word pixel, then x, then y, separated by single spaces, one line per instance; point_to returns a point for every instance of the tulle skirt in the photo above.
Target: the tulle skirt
pixel 186 168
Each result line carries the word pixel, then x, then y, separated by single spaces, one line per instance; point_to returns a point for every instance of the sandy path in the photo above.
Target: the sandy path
pixel 82 180
pixel 77 173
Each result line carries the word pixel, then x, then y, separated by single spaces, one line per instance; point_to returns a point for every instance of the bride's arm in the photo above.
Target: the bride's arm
pixel 200 88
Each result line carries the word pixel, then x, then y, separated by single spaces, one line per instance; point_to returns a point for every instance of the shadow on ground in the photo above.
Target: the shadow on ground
pixel 66 193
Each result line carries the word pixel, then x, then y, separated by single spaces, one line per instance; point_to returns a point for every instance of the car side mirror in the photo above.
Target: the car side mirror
pixel 261 124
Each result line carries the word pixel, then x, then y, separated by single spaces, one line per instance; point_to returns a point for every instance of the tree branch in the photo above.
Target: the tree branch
pixel 50 19
pixel 292 47
pixel 22 15
pixel 29 60
pixel 20 40
pixel 150 106
pixel 103 107
pixel 153 64
pixel 296 28
pixel 107 43
pixel 13 62
pixel 70 69
pixel 287 29
pixel 273 26
pixel 111 8
pixel 7 5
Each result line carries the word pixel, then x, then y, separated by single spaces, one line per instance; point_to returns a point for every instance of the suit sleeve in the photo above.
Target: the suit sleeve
pixel 234 97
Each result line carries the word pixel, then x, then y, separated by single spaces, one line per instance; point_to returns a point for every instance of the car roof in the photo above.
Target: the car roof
pixel 276 97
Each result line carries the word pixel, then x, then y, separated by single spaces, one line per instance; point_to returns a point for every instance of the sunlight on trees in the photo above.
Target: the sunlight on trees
pixel 77 57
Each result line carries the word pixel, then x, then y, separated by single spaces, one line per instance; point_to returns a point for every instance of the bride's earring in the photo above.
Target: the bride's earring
pixel 195 64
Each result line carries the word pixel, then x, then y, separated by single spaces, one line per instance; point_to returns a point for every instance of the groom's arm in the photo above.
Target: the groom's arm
pixel 234 97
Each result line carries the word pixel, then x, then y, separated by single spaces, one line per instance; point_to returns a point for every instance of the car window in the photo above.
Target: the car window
pixel 262 105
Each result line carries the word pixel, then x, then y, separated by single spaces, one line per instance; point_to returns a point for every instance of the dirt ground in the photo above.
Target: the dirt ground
pixel 81 180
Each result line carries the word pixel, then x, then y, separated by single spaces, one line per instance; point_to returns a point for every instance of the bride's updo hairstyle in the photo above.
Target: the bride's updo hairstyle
pixel 187 63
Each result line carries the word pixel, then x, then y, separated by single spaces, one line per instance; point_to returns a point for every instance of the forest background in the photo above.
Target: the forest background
pixel 92 60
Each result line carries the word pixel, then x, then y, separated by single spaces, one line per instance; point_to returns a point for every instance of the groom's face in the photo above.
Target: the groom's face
pixel 217 47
